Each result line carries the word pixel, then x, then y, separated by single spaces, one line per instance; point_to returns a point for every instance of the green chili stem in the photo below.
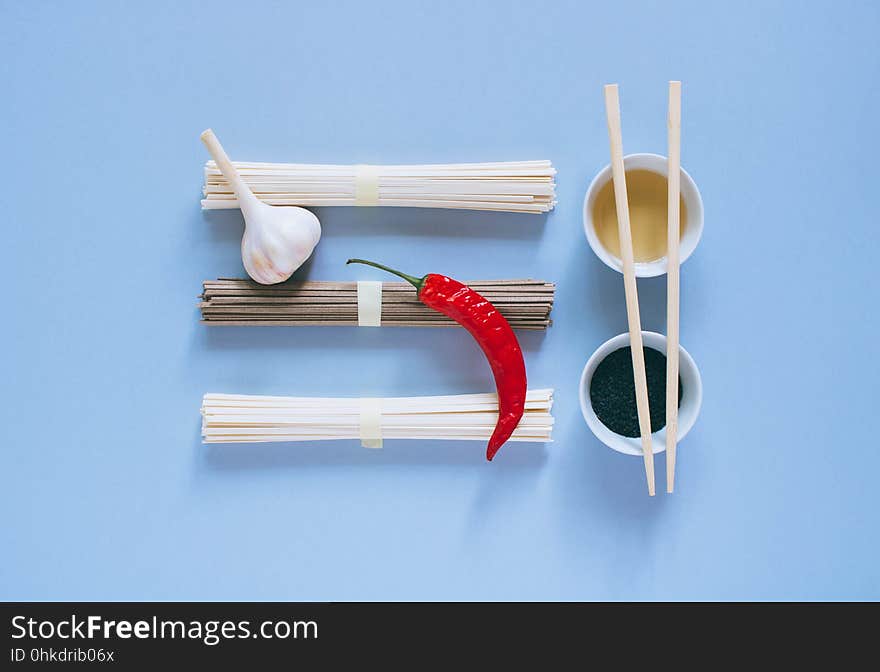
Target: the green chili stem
pixel 415 282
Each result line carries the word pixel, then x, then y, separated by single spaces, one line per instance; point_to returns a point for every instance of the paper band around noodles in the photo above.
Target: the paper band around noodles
pixel 369 295
pixel 366 185
pixel 371 423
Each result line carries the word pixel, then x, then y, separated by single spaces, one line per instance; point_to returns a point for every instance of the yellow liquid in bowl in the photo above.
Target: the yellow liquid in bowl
pixel 646 193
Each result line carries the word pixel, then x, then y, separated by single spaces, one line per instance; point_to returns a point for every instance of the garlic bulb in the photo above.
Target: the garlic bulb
pixel 277 239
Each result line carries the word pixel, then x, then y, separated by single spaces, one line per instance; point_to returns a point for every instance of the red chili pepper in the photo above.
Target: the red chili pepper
pixel 495 336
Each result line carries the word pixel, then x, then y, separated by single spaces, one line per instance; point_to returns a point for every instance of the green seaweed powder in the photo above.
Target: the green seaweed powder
pixel 613 391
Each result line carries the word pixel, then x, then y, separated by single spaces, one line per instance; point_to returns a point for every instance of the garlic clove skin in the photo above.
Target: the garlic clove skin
pixel 277 240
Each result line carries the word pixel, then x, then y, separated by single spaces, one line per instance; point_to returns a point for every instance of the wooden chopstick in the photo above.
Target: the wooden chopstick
pixel 672 281
pixel 612 111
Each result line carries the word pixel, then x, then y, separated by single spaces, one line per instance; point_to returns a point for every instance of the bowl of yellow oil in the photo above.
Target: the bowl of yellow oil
pixel 646 187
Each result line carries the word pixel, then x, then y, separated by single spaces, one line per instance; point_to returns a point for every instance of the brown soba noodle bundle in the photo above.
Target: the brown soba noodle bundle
pixel 237 302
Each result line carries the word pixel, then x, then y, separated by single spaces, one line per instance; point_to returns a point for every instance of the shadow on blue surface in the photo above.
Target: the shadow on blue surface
pixel 254 456
pixel 416 222
pixel 428 340
pixel 431 223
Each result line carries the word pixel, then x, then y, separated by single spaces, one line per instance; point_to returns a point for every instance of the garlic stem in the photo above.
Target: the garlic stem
pixel 243 193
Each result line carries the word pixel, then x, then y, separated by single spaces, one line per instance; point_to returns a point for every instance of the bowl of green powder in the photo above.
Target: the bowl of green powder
pixel 608 396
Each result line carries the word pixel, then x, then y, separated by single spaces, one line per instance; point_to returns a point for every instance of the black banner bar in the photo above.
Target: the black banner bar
pixel 135 635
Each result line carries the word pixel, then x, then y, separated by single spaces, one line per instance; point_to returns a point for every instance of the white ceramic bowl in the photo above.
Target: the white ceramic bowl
pixel 692 200
pixel 688 410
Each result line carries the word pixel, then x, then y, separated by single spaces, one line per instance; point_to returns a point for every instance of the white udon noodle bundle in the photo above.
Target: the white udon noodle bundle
pixel 232 418
pixel 526 186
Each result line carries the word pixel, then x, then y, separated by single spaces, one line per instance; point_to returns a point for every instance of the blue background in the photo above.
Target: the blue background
pixel 105 489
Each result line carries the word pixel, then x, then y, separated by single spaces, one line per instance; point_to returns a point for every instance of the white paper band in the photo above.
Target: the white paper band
pixel 371 423
pixel 366 185
pixel 369 303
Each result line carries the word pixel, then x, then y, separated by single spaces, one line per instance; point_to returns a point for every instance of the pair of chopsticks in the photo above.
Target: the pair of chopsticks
pixel 612 111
